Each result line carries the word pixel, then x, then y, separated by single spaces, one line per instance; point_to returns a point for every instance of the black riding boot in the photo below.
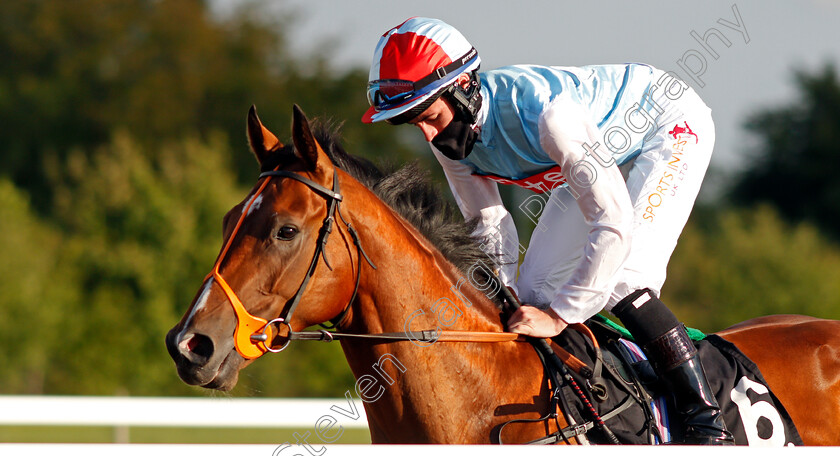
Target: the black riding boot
pixel 675 360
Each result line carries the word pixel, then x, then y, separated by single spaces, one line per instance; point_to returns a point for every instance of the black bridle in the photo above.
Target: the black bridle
pixel 334 199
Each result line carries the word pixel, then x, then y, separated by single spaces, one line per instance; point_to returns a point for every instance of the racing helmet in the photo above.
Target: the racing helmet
pixel 413 64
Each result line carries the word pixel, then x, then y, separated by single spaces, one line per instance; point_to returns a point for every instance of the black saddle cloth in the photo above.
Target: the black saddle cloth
pixel 752 412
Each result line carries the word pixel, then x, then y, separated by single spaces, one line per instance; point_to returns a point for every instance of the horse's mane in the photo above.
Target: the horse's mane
pixel 409 191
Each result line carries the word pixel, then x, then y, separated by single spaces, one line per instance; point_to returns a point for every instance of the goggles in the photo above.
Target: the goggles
pixel 385 94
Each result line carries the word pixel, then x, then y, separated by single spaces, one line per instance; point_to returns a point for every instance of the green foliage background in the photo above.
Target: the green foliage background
pixel 122 146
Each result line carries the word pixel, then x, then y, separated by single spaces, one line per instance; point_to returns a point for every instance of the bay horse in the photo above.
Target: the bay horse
pixel 395 263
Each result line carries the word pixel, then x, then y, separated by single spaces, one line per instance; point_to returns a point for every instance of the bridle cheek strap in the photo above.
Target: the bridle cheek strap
pixel 253 335
pixel 333 199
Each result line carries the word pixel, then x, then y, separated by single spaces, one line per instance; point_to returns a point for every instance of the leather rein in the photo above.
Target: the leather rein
pixel 254 336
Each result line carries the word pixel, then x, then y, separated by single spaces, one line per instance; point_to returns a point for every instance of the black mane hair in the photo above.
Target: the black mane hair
pixel 409 191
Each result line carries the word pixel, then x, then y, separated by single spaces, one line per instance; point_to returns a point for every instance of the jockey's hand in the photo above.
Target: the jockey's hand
pixel 531 321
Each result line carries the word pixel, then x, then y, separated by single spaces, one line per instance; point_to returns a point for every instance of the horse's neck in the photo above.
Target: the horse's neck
pixel 417 284
pixel 415 288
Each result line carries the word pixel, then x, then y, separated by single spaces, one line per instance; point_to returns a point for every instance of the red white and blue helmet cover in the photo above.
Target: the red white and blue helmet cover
pixel 412 51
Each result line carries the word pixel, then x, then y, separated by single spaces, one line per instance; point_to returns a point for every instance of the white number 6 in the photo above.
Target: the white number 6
pixel 751 413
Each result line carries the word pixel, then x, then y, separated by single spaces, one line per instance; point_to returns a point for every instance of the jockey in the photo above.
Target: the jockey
pixel 615 155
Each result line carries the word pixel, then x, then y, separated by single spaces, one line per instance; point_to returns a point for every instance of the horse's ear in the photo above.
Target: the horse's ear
pixel 306 146
pixel 263 142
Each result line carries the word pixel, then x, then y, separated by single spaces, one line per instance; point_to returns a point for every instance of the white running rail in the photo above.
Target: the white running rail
pixel 177 412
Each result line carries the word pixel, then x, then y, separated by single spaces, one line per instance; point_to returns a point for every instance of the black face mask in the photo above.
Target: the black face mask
pixel 456 141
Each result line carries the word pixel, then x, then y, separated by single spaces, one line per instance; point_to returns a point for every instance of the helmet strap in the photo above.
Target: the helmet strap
pixel 466 101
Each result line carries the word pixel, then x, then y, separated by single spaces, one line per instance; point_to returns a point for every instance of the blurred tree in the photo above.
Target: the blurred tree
pixel 735 265
pixel 795 166
pixel 161 69
pixel 34 292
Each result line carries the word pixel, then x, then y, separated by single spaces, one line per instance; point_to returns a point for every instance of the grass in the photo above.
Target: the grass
pixel 104 434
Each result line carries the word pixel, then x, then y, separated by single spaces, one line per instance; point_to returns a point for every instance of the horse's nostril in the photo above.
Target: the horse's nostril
pixel 197 347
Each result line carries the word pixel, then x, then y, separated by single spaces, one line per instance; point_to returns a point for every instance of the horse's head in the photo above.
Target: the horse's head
pixel 275 242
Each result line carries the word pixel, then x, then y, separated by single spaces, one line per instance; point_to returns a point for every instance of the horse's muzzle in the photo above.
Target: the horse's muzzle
pixel 193 356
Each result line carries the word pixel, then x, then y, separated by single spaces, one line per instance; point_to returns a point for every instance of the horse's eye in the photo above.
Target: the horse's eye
pixel 286 233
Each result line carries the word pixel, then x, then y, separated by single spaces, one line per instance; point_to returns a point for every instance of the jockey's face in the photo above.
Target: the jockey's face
pixel 434 119
pixel 437 116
